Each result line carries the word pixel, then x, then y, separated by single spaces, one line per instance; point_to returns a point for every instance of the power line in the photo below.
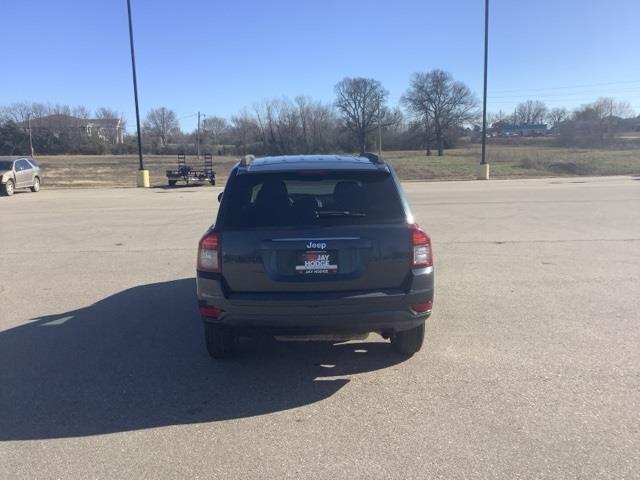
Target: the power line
pixel 554 100
pixel 569 94
pixel 584 85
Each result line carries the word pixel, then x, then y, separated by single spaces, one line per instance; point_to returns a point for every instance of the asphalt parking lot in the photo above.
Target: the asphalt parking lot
pixel 531 367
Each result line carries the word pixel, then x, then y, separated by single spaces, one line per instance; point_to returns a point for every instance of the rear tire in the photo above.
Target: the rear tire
pixel 220 340
pixel 8 188
pixel 172 183
pixel 36 185
pixel 408 342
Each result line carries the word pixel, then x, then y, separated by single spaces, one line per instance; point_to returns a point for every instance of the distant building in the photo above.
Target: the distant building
pixel 522 129
pixel 629 124
pixel 109 130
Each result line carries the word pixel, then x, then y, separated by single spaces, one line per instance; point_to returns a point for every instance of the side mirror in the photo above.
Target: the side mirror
pixel 220 197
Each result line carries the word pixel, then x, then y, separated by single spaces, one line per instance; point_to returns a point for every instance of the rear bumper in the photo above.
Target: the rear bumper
pixel 309 313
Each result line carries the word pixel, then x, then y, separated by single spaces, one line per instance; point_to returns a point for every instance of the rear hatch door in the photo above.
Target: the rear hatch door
pixel 314 232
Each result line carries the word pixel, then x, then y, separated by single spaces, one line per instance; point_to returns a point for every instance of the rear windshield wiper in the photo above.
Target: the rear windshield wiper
pixel 340 213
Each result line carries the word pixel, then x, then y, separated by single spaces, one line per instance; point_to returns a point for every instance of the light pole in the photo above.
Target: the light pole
pixel 198 135
pixel 483 170
pixel 30 136
pixel 379 128
pixel 143 175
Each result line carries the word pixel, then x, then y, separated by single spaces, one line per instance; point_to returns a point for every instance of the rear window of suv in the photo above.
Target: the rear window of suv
pixel 312 198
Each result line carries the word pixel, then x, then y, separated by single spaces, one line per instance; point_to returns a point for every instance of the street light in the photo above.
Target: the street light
pixel 379 127
pixel 143 175
pixel 483 169
pixel 30 136
pixel 198 134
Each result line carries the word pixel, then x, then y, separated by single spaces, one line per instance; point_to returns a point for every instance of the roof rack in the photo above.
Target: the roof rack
pixel 373 157
pixel 246 160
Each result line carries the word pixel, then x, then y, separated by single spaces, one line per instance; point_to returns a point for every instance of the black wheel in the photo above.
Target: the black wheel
pixel 408 342
pixel 172 183
pixel 36 185
pixel 220 340
pixel 8 188
pixel 212 181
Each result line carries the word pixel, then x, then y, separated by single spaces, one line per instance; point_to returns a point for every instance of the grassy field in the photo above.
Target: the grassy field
pixel 115 170
pixel 506 161
pixel 516 162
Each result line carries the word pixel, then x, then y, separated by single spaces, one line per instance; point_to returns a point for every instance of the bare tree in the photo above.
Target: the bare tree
pixel 441 103
pixel 601 118
pixel 214 127
pixel 322 129
pixel 530 112
pixel 608 107
pixel 60 109
pixel 19 112
pixel 361 102
pixel 556 116
pixel 280 127
pixel 80 111
pixel 304 108
pixel 161 124
pixel 265 118
pixel 106 113
pixel 498 117
pixel 318 125
pixel 243 130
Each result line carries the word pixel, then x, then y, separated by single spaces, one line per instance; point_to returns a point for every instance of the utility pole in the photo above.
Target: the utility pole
pixel 143 175
pixel 483 171
pixel 198 136
pixel 379 129
pixel 30 136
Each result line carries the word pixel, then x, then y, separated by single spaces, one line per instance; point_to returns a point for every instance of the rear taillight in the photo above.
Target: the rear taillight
pixel 422 307
pixel 211 312
pixel 209 253
pixel 421 244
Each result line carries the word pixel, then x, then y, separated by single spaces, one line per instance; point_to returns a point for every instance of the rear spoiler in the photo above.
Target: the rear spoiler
pixel 247 160
pixel 373 157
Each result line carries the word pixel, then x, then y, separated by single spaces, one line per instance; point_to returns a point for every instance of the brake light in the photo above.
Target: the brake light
pixel 422 307
pixel 312 172
pixel 211 312
pixel 209 253
pixel 421 243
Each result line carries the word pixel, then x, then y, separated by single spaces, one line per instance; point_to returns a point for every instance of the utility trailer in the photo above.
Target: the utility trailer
pixel 187 174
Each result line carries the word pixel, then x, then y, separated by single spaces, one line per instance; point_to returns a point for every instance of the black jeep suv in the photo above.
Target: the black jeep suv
pixel 314 245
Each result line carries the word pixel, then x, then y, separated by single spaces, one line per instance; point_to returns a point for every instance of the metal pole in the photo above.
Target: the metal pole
pixel 135 86
pixel 30 137
pixel 379 130
pixel 198 137
pixel 483 160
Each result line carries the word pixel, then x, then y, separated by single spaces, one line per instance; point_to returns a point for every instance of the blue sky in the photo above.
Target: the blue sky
pixel 218 57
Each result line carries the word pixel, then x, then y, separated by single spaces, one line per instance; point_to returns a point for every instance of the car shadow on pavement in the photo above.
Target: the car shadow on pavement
pixel 181 186
pixel 137 360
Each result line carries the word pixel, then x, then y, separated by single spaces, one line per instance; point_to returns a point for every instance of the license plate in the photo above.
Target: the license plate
pixel 317 262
